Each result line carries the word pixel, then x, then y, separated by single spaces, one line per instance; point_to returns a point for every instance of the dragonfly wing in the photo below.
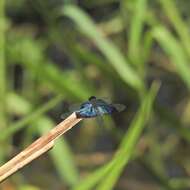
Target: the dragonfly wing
pixel 99 114
pixel 119 107
pixel 106 100
pixel 72 108
pixel 65 115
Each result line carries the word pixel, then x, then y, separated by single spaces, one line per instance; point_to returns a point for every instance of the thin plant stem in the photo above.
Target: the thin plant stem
pixel 37 148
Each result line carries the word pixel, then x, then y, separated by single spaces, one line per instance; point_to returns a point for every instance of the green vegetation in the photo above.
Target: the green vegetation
pixel 56 53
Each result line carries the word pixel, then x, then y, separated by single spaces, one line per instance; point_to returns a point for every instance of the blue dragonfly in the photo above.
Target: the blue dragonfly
pixel 95 107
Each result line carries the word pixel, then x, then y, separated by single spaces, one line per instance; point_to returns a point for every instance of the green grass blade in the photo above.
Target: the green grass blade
pixel 128 144
pixel 147 46
pixel 135 34
pixel 90 57
pixel 111 171
pixel 2 66
pixel 116 59
pixel 112 26
pixel 16 104
pixel 3 115
pixel 95 177
pixel 175 52
pixel 178 22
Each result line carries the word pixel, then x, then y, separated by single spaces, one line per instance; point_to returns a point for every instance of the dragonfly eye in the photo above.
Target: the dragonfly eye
pixel 92 98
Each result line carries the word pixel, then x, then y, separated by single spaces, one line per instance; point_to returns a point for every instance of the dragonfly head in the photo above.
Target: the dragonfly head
pixel 92 98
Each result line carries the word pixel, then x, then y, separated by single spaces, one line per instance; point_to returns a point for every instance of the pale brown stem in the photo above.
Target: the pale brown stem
pixel 37 148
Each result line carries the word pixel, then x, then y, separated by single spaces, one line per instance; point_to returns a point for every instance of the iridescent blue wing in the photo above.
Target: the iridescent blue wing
pixel 104 107
pixel 109 108
pixel 77 108
pixel 107 100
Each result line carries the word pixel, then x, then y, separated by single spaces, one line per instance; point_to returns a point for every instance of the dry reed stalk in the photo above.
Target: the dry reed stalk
pixel 37 148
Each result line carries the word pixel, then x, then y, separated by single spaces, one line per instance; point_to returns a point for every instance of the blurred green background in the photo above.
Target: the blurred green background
pixel 55 53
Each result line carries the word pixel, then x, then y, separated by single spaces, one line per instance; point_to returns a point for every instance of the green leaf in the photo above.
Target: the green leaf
pixel 2 66
pixel 178 22
pixel 136 29
pixel 175 51
pixel 3 78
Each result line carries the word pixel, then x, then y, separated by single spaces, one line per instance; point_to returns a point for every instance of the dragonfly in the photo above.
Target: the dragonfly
pixel 95 107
